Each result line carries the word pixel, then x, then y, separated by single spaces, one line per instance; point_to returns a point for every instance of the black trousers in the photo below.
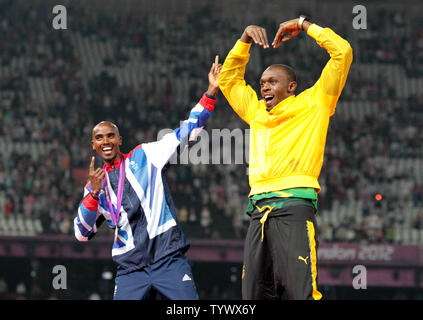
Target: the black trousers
pixel 282 264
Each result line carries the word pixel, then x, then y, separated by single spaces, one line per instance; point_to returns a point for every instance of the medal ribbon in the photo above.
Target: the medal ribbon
pixel 115 215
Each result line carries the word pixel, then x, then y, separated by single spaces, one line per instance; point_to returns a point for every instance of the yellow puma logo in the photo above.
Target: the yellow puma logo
pixel 304 259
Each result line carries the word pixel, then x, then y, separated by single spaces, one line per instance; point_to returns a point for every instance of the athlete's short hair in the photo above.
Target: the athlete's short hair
pixel 292 76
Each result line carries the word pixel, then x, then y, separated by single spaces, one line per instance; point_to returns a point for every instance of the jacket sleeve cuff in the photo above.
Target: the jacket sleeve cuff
pixel 207 103
pixel 241 48
pixel 314 30
pixel 90 203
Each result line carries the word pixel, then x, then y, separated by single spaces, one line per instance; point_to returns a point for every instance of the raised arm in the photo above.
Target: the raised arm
pixel 231 79
pixel 329 86
pixel 159 152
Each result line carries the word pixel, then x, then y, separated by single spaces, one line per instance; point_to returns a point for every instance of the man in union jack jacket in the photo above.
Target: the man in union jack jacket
pixel 130 193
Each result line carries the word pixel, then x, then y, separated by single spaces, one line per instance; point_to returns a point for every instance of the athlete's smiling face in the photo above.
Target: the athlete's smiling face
pixel 106 141
pixel 275 86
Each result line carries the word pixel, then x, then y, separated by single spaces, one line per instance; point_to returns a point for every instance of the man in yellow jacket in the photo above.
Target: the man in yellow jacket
pixel 287 142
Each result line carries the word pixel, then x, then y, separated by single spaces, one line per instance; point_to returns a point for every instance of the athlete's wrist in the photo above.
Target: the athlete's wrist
pixel 212 92
pixel 95 194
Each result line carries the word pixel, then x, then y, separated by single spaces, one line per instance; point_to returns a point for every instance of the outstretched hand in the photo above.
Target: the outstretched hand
pixel 214 77
pixel 291 27
pixel 256 34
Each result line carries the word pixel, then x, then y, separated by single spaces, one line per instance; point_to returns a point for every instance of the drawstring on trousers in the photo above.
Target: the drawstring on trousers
pixel 264 218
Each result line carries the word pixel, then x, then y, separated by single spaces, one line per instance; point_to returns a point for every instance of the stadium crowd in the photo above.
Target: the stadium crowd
pixel 210 198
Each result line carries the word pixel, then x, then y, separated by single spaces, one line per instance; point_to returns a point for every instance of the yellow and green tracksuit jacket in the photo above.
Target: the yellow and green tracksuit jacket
pixel 287 143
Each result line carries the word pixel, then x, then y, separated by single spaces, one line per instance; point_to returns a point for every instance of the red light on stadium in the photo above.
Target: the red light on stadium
pixel 378 197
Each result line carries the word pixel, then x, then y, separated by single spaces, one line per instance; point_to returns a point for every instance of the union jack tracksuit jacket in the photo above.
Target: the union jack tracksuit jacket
pixel 148 228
